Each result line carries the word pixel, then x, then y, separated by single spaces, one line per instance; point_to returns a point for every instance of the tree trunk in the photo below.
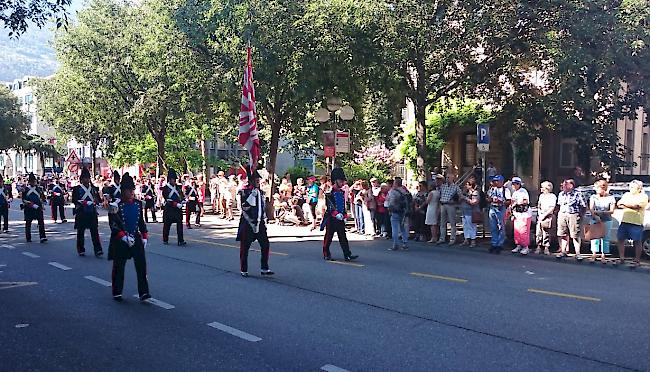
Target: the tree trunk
pixel 273 152
pixel 204 161
pixel 421 137
pixel 93 157
pixel 161 165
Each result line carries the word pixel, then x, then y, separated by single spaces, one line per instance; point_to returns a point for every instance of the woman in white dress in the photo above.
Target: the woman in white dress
pixel 368 205
pixel 433 211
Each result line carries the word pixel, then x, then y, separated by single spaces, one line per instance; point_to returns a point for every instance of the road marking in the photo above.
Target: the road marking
pixel 565 295
pixel 332 368
pixel 30 254
pixel 59 266
pixel 8 246
pixel 7 285
pixel 440 277
pixel 224 245
pixel 3 265
pixel 234 332
pixel 346 263
pixel 158 303
pixel 98 280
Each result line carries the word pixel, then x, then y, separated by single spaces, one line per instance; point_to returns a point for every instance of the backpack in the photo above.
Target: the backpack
pixel 404 205
pixel 483 201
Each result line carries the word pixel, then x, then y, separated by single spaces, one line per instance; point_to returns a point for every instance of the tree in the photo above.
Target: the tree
pixel 13 122
pixel 452 48
pixel 17 14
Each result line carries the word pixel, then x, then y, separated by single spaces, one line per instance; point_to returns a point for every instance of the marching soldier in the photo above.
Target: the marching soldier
pixel 149 197
pixel 57 200
pixel 112 193
pixel 6 196
pixel 85 198
pixel 173 209
pixel 128 240
pixel 252 224
pixel 33 197
pixel 335 216
pixel 192 196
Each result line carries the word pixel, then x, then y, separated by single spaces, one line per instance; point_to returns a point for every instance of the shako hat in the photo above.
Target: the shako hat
pixel 338 174
pixel 127 182
pixel 85 173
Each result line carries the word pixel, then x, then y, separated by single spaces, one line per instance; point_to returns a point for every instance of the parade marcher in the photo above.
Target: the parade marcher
pixel 128 240
pixel 335 216
pixel 5 200
pixel 252 224
pixel 173 209
pixel 33 197
pixel 85 198
pixel 191 192
pixel 112 195
pixel 148 193
pixel 57 200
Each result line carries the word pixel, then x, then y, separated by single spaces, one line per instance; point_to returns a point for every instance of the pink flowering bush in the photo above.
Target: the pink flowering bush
pixel 377 153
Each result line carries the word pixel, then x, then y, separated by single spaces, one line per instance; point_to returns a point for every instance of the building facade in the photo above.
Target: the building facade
pixel 15 163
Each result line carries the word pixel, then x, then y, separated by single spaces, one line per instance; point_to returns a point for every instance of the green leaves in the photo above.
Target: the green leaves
pixel 13 122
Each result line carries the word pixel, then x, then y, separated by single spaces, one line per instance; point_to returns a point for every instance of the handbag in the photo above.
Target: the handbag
pixel 595 231
pixel 546 223
pixel 477 216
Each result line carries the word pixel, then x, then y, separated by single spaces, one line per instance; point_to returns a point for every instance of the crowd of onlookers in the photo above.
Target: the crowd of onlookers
pixel 431 210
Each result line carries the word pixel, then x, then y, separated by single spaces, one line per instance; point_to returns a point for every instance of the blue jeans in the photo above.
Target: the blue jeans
pixel 358 218
pixel 397 225
pixel 497 227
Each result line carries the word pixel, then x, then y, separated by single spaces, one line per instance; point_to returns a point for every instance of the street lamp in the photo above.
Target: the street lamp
pixel 334 105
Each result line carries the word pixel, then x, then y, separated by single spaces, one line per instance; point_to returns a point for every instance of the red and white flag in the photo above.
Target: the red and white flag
pixel 248 135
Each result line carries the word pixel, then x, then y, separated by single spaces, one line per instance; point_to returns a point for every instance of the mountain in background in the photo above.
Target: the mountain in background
pixel 31 54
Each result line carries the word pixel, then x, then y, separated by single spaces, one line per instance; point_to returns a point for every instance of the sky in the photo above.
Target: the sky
pixel 31 54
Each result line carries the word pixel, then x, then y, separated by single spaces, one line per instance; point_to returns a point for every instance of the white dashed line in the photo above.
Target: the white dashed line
pixel 332 368
pixel 98 281
pixel 234 332
pixel 30 254
pixel 59 266
pixel 158 303
pixel 8 246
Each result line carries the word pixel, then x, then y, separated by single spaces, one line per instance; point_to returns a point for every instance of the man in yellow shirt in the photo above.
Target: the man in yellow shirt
pixel 633 203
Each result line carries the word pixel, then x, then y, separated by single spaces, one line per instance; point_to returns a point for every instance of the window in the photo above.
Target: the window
pixel 30 162
pixel 2 162
pixel 19 161
pixel 568 154
pixel 629 148
pixel 211 145
pixel 645 153
pixel 29 99
pixel 469 159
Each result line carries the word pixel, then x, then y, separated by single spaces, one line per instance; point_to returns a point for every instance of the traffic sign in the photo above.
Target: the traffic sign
pixel 73 158
pixel 329 144
pixel 73 168
pixel 483 137
pixel 342 142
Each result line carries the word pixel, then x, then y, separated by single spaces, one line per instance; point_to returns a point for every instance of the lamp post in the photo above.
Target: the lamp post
pixel 322 115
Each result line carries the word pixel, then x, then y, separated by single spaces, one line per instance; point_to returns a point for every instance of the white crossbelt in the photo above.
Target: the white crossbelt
pixel 117 190
pixel 57 188
pixel 148 190
pixel 192 190
pixel 32 190
pixel 87 194
pixel 172 192
pixel 2 192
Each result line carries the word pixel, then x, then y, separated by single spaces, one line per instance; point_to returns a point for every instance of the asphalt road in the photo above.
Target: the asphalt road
pixel 427 309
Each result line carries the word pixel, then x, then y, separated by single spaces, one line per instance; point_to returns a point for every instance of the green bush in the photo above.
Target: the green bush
pixel 367 170
pixel 298 172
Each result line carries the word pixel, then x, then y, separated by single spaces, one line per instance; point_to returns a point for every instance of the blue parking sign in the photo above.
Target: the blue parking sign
pixel 483 137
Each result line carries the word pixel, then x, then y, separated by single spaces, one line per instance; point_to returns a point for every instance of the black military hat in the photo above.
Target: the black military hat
pixel 31 177
pixel 127 182
pixel 338 174
pixel 116 175
pixel 171 175
pixel 85 173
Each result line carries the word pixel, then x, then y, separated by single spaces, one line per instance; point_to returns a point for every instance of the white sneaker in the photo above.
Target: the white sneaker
pixel 538 251
pixel 516 250
pixel 547 252
pixel 525 251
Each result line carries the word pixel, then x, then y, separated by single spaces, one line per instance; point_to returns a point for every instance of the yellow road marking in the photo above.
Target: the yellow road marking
pixel 565 295
pixel 346 263
pixel 223 245
pixel 440 277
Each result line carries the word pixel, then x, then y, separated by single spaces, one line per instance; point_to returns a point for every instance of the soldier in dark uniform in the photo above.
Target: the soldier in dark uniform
pixel 85 198
pixel 252 224
pixel 128 240
pixel 192 196
pixel 173 209
pixel 5 200
pixel 57 199
pixel 112 195
pixel 148 193
pixel 335 216
pixel 33 198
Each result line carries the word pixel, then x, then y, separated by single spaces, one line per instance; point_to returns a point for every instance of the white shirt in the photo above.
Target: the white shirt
pixel 519 196
pixel 546 204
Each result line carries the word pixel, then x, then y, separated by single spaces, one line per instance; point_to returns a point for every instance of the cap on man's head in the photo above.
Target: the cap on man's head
pixel 498 177
pixel 516 180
